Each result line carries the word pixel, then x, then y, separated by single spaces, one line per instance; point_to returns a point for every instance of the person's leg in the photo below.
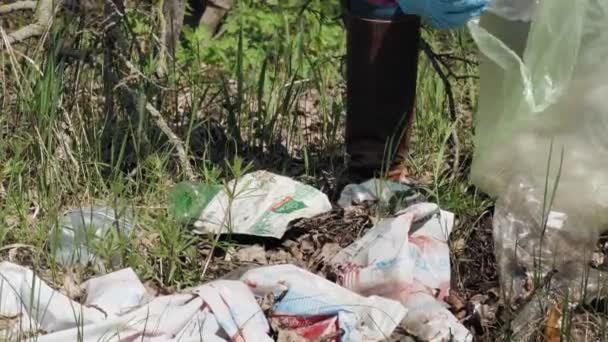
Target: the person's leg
pixel 382 61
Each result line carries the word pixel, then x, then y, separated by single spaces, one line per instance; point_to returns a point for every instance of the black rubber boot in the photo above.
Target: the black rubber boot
pixel 382 63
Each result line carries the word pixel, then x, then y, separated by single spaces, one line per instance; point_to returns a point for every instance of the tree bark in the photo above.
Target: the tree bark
pixel 173 17
pixel 214 12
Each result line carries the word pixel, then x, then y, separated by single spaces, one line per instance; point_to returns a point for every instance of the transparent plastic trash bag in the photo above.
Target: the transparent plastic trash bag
pixel 543 87
pixel 513 9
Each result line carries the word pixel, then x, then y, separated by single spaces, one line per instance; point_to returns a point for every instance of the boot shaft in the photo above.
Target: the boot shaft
pixel 382 61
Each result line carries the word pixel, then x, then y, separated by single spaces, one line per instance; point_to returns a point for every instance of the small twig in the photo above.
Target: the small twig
pixel 177 143
pixel 162 124
pixel 137 72
pixel 456 58
pixel 17 6
pixel 43 21
pixel 450 72
pixel 174 139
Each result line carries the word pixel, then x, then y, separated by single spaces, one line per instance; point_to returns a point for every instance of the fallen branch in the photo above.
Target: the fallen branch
pixel 177 143
pixel 162 124
pixel 44 19
pixel 17 6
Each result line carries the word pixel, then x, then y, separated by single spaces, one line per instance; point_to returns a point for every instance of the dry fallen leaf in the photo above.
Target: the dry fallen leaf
pixel 456 303
pixel 479 298
pixel 307 247
pixel 11 221
pixel 328 251
pixel 280 257
pixel 253 254
pixel 8 322
pixel 267 302
pixel 17 251
pixel 597 259
pixel 230 252
pixel 71 287
pixel 154 289
pixel 552 326
pixel 458 246
pixel 289 336
pixel 293 248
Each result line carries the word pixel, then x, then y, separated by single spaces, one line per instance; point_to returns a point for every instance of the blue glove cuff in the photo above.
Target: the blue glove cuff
pixel 444 14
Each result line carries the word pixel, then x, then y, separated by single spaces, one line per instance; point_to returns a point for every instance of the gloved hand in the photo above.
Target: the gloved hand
pixel 444 14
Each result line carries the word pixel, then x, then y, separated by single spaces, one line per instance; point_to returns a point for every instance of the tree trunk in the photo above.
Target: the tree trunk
pixel 173 15
pixel 215 11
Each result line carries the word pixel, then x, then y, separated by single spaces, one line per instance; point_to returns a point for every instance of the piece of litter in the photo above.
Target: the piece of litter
pixel 115 293
pixel 372 190
pixel 37 305
pixel 260 204
pixel 79 229
pixel 429 320
pixel 306 297
pixel 411 267
pixel 117 308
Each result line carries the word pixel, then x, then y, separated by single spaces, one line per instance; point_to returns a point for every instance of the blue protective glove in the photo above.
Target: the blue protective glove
pixel 444 14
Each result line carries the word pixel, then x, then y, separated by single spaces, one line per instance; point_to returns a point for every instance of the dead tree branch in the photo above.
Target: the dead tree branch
pixel 44 18
pixel 162 124
pixel 17 6
pixel 115 51
pixel 177 143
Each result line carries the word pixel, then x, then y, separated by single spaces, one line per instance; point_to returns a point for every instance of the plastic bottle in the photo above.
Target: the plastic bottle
pixel 187 200
pixel 79 228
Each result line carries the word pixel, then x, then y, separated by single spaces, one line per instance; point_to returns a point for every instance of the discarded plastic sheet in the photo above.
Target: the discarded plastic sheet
pixel 260 203
pixel 40 309
pixel 117 308
pixel 309 303
pixel 78 230
pixel 412 267
pixel 372 190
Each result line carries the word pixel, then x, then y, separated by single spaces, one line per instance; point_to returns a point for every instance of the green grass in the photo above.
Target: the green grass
pixel 233 101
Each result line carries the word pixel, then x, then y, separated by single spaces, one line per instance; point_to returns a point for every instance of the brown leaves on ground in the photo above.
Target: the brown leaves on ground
pixel 310 243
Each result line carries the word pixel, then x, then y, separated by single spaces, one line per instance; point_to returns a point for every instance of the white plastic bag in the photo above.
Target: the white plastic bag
pixel 303 295
pixel 543 85
pixel 35 305
pixel 261 204
pixel 407 258
pixel 117 308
